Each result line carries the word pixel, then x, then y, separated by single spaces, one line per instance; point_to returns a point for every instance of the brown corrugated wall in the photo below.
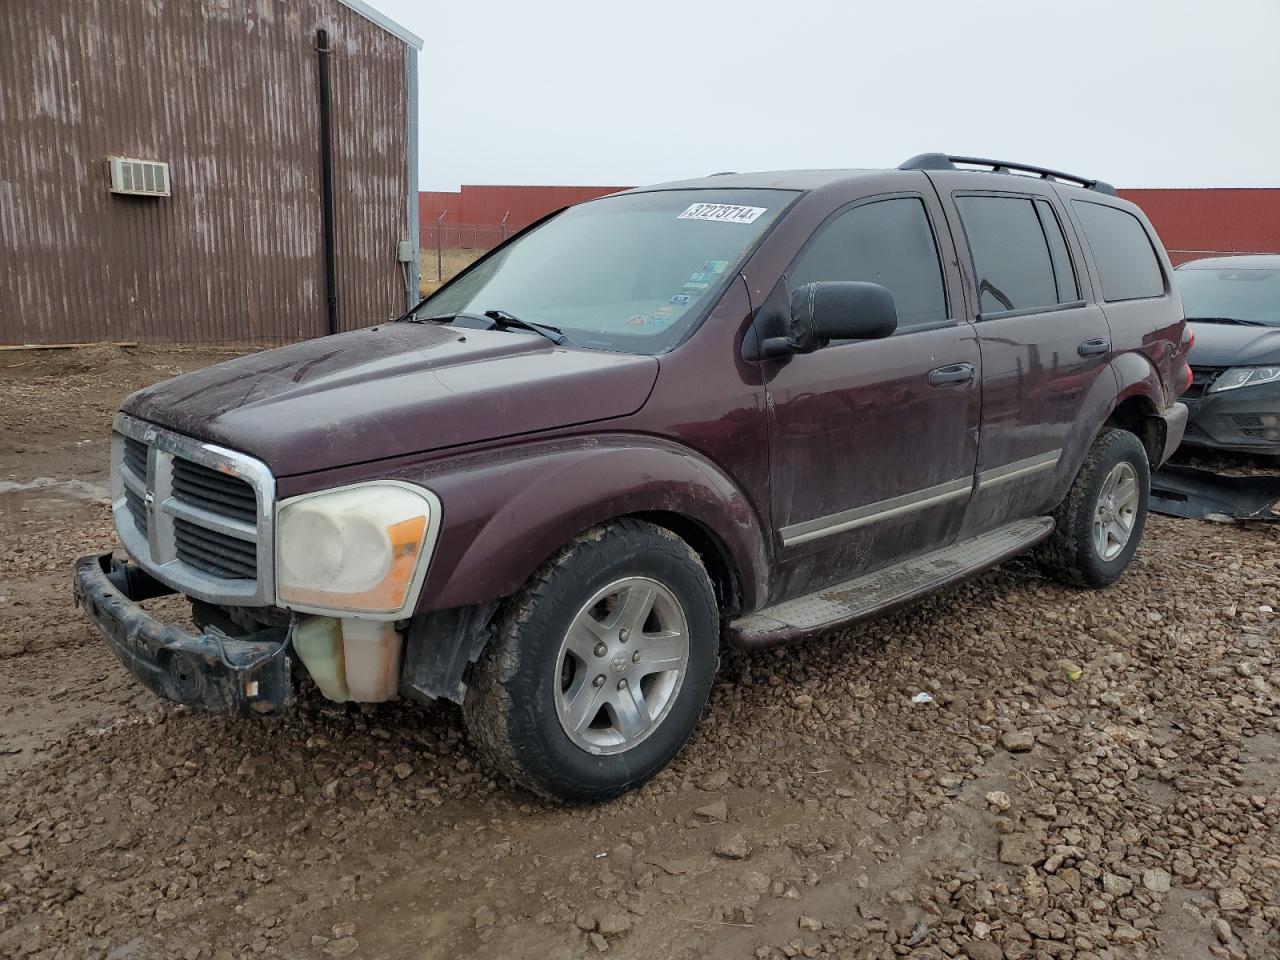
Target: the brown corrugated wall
pixel 225 91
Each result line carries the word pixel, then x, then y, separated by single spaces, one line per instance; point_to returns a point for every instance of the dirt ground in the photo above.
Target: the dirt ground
pixel 433 271
pixel 1097 774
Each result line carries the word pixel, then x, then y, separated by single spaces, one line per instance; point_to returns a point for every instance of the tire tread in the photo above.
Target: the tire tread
pixel 489 709
pixel 1064 554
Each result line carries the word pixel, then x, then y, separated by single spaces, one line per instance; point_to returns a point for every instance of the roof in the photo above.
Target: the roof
pixel 802 180
pixel 766 180
pixel 1248 261
pixel 385 22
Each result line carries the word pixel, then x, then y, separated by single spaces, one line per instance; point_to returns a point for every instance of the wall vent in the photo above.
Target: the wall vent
pixel 146 178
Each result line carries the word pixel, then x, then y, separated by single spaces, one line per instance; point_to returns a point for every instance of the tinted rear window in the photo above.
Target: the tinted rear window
pixel 1010 254
pixel 1066 277
pixel 1127 264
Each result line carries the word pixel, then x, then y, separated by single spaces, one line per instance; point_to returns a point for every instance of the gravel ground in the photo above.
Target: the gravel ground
pixel 1097 774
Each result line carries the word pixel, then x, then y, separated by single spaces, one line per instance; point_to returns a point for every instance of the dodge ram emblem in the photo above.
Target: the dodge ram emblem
pixel 619 661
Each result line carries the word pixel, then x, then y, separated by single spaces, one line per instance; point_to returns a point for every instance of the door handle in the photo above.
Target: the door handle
pixel 951 375
pixel 1094 347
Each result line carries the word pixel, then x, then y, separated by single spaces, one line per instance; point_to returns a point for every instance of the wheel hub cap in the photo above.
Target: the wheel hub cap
pixel 1116 512
pixel 621 665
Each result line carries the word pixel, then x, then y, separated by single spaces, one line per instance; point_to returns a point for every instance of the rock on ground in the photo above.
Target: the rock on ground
pixel 133 828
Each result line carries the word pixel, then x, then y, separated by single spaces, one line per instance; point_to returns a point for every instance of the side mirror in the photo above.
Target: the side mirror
pixel 840 310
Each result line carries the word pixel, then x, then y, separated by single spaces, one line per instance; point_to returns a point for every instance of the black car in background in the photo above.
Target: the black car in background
pixel 1233 306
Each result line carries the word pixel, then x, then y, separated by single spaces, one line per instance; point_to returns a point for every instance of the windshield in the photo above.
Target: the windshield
pixel 1252 295
pixel 631 272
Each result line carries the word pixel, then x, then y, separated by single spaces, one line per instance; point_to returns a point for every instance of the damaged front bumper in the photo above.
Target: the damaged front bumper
pixel 242 676
pixel 1246 420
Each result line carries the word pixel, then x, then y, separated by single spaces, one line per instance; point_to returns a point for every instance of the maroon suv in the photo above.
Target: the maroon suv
pixel 750 407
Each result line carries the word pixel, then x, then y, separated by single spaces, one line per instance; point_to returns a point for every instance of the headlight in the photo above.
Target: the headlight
pixel 361 549
pixel 1244 377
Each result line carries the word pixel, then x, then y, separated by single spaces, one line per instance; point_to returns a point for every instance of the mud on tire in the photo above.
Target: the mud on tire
pixel 524 682
pixel 1070 554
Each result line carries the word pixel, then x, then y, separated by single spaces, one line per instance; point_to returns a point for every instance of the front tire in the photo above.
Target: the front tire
pixel 1099 524
pixel 598 671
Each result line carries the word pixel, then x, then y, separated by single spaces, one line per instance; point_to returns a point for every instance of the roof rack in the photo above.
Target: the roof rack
pixel 943 161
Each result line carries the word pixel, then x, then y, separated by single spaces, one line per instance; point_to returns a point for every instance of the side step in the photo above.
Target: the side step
pixel 877 592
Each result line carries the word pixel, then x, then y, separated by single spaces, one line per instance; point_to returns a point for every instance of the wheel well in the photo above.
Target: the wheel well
pixel 709 548
pixel 1138 415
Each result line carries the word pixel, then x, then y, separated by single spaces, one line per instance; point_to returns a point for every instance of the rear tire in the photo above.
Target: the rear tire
pixel 1100 523
pixel 599 669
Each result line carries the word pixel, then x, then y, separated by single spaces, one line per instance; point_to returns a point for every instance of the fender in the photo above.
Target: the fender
pixel 1136 376
pixel 505 511
pixel 1131 375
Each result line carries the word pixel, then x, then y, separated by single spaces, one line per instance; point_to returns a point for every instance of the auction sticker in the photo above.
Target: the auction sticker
pixel 722 212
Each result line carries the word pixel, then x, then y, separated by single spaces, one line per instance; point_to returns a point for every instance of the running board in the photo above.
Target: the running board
pixel 878 592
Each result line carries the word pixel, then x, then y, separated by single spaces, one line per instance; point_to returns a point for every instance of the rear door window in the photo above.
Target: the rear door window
pixel 889 242
pixel 1127 264
pixel 1012 262
pixel 1064 275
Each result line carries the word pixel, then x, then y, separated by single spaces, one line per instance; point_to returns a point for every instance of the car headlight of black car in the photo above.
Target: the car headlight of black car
pixel 1237 377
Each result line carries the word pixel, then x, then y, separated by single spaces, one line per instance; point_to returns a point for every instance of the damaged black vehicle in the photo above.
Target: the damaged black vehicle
pixel 1233 308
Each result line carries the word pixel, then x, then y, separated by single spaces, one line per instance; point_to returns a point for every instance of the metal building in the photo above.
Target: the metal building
pixel 165 164
pixel 1212 222
pixel 1192 221
pixel 517 207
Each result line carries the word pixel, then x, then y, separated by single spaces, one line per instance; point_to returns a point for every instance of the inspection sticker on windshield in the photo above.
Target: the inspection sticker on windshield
pixel 723 212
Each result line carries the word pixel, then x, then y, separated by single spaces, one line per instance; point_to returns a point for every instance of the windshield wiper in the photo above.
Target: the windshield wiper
pixel 506 320
pixel 1236 320
pixel 500 320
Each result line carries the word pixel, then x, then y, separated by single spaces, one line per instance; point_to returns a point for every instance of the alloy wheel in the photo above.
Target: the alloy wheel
pixel 1116 512
pixel 621 665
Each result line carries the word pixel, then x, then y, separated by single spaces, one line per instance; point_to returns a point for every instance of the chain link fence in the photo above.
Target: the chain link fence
pixel 445 248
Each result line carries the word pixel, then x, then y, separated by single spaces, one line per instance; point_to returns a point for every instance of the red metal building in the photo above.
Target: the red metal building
pixel 490 205
pixel 1201 223
pixel 1192 222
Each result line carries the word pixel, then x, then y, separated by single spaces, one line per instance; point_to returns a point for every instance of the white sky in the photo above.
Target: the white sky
pixel 1142 93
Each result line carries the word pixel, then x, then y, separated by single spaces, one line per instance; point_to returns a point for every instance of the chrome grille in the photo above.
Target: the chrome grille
pixel 215 553
pixel 137 508
pixel 194 515
pixel 214 491
pixel 135 456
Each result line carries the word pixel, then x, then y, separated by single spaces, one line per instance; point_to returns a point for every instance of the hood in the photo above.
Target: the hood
pixel 1232 345
pixel 392 390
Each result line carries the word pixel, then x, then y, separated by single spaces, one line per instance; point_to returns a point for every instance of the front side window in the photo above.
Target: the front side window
pixel 889 242
pixel 1122 250
pixel 631 272
pixel 1011 258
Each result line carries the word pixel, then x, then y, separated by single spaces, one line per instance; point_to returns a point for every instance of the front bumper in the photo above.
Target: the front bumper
pixel 1245 420
pixel 242 676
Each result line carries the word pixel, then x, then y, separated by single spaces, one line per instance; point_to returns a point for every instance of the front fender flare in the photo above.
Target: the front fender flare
pixel 506 511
